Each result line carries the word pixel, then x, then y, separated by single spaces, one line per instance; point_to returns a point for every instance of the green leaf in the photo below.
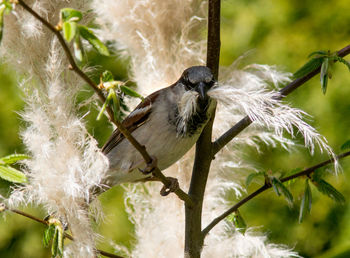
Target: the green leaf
pixel 324 74
pixel 11 174
pixel 321 53
pixel 60 241
pixel 88 35
pixel 130 92
pixel 306 201
pixel 107 76
pixel 54 247
pixel 48 235
pixel 69 30
pixel 251 176
pixel 6 5
pixel 2 11
pixel 324 83
pixel 70 15
pixel 346 145
pixel 239 222
pixel 5 8
pixel 10 159
pixel 57 242
pixel 319 174
pixel 111 99
pixel 78 49
pixel 310 66
pixel 279 189
pixel 327 189
pixel 115 103
pixel 55 233
pixel 343 61
pixel 274 186
pixel 103 108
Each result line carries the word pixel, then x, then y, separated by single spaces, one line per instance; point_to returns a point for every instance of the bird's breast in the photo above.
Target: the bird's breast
pixel 159 134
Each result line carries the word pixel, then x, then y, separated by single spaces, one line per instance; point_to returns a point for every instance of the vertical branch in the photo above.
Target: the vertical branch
pixel 213 40
pixel 203 157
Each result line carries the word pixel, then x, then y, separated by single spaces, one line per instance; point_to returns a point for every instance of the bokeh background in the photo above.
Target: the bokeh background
pixel 280 33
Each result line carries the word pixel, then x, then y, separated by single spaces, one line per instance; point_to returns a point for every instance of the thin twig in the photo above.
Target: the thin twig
pixel 141 148
pixel 67 51
pixel 246 121
pixel 266 186
pixel 309 170
pixel 66 235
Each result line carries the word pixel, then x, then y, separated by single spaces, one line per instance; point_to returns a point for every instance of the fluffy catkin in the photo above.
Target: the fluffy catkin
pixel 161 38
pixel 65 161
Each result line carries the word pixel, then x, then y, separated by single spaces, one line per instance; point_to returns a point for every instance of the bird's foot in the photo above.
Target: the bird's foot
pixel 174 185
pixel 150 166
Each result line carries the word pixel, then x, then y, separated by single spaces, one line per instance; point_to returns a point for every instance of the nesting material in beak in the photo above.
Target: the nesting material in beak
pixel 201 89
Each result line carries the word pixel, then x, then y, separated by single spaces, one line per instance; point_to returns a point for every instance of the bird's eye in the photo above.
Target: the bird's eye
pixel 189 83
pixel 209 80
pixel 186 82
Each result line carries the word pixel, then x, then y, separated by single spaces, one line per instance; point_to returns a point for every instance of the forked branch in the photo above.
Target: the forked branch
pixel 203 155
pixel 306 172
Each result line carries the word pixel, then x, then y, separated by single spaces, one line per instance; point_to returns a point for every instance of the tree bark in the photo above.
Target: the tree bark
pixel 203 157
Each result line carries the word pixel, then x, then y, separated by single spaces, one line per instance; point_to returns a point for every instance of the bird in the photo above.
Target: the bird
pixel 168 123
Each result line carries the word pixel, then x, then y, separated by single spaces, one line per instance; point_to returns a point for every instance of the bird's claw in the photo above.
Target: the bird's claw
pixel 174 185
pixel 150 166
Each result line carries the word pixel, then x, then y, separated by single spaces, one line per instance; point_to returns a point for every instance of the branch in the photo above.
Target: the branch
pixel 44 222
pixel 213 41
pixel 306 172
pixel 69 55
pixel 203 155
pixel 246 121
pixel 141 149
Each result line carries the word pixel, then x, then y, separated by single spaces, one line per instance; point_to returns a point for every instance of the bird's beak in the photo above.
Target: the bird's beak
pixel 201 89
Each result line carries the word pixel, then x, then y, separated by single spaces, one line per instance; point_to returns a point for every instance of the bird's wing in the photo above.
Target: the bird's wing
pixel 133 121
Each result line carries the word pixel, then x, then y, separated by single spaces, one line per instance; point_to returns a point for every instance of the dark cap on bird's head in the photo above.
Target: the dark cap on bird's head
pixel 198 78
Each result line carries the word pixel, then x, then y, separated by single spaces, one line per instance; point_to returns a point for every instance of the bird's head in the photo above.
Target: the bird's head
pixel 198 78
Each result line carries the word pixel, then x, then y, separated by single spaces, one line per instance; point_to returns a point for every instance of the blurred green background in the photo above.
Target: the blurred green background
pixel 280 33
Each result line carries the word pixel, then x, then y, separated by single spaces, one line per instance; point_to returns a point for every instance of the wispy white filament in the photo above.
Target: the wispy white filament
pixel 246 92
pixel 162 38
pixel 66 162
pixel 187 108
